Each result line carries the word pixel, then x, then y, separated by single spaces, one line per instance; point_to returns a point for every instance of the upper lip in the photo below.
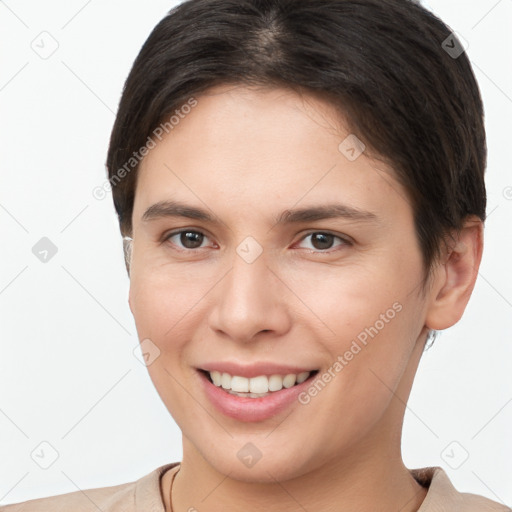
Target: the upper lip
pixel 253 369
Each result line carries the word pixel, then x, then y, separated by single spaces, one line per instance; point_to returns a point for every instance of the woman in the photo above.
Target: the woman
pixel 300 188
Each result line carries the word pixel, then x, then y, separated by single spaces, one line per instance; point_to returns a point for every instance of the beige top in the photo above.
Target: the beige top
pixel 145 495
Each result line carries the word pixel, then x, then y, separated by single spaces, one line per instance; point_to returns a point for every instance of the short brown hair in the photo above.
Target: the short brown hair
pixel 388 65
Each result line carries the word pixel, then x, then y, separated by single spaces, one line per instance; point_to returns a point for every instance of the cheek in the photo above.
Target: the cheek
pixel 161 297
pixel 367 316
pixel 163 306
pixel 347 297
pixel 369 357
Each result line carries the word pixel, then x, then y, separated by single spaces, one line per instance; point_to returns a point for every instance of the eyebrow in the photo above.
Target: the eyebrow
pixel 165 209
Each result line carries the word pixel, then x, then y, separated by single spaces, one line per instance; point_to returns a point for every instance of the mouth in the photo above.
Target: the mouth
pixel 260 386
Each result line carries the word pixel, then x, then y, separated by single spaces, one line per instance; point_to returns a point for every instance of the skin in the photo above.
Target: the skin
pixel 246 155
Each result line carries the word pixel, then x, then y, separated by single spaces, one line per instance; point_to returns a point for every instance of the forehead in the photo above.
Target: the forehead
pixel 244 145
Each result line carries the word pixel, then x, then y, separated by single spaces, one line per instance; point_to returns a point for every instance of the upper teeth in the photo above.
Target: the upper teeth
pixel 260 384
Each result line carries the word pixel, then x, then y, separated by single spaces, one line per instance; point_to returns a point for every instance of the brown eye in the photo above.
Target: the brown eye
pixel 187 239
pixel 191 239
pixel 321 241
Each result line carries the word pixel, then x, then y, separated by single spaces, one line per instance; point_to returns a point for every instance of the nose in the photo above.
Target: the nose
pixel 250 299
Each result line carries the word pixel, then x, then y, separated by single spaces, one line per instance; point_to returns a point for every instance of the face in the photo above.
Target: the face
pixel 274 251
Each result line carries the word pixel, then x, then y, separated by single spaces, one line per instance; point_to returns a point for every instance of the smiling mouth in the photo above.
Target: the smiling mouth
pixel 256 387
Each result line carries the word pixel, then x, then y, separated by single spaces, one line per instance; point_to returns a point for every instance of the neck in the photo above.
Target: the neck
pixel 357 482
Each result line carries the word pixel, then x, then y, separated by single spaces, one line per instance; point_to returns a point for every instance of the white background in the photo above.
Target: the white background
pixel 68 374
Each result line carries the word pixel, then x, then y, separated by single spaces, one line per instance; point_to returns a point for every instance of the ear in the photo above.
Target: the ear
pixel 455 277
pixel 127 250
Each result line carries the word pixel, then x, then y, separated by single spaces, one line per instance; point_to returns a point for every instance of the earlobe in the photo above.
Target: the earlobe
pixel 456 277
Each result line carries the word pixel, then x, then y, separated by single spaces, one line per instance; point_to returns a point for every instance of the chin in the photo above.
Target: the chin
pixel 280 465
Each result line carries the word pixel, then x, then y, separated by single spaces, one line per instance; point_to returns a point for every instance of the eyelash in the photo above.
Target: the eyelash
pixel 345 241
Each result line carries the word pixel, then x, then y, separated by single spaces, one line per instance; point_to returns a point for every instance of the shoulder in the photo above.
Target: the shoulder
pixel 442 495
pixel 142 494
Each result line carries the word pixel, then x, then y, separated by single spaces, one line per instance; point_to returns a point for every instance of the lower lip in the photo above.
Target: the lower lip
pixel 252 409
